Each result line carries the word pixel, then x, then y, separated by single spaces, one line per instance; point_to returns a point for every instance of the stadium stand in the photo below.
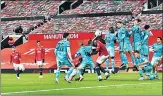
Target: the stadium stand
pixel 29 8
pixel 105 6
pixel 85 24
pixel 7 27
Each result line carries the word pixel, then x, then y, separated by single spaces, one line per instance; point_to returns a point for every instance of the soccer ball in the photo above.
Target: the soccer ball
pixel 98 33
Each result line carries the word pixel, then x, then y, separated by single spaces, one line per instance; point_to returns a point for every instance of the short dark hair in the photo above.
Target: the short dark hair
pixel 160 38
pixel 146 27
pixel 65 35
pixel 136 51
pixel 38 41
pixel 138 20
pixel 89 42
pixel 111 29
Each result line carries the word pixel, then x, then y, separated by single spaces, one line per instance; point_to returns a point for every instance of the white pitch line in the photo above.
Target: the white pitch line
pixel 118 85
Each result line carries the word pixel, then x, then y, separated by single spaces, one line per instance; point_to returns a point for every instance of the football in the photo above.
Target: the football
pixel 98 33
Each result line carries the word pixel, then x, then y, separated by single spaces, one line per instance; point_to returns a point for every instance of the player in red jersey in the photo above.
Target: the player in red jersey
pixel 15 58
pixel 103 56
pixel 40 57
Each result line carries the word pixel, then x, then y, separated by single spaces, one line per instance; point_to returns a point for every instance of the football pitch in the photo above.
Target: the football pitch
pixel 121 83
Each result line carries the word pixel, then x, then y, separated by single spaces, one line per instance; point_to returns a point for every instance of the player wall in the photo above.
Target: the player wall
pixel 49 42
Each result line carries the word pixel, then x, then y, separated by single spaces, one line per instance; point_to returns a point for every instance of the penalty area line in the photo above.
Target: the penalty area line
pixel 77 88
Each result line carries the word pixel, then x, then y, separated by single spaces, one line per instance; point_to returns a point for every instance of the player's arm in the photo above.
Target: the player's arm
pixel 10 59
pixel 20 56
pixel 145 62
pixel 70 57
pixel 43 55
pixel 35 55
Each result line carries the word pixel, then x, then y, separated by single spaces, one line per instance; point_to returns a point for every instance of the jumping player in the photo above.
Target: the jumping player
pixel 137 35
pixel 144 47
pixel 124 45
pixel 157 48
pixel 143 63
pixel 40 57
pixel 61 51
pixel 103 56
pixel 15 58
pixel 110 39
pixel 87 60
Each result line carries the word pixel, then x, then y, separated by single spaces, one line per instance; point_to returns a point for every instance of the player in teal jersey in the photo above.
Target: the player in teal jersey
pixel 145 38
pixel 137 35
pixel 61 51
pixel 157 48
pixel 124 45
pixel 87 60
pixel 110 39
pixel 142 63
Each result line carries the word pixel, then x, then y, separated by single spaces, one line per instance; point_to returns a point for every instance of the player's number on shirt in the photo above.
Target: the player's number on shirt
pixel 60 47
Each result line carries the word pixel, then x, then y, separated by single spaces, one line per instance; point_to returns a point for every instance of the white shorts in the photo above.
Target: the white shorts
pixel 39 63
pixel 101 59
pixel 18 66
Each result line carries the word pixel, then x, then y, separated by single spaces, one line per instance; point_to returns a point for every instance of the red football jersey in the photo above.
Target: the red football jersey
pixel 39 53
pixel 15 57
pixel 101 49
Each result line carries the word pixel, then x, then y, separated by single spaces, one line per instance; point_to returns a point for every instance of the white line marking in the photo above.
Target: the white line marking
pixel 118 85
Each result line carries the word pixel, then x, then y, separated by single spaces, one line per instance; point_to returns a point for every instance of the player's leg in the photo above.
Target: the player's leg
pixel 41 73
pixel 124 60
pixel 101 60
pixel 16 68
pixel 107 61
pixel 112 54
pixel 81 68
pixel 121 55
pixel 92 66
pixel 141 72
pixel 59 65
pixel 97 69
pixel 107 64
pixel 132 57
pixel 148 72
pixel 40 65
pixel 20 69
pixel 71 71
pixel 154 62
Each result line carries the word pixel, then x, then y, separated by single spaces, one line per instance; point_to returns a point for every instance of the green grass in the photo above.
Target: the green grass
pixel 122 83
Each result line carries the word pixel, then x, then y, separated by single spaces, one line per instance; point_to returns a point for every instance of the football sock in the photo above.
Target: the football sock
pixel 41 71
pixel 69 72
pixel 17 73
pixel 122 58
pixel 132 57
pixel 112 61
pixel 107 64
pixel 98 71
pixel 82 71
pixel 141 72
pixel 57 74
pixel 102 69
